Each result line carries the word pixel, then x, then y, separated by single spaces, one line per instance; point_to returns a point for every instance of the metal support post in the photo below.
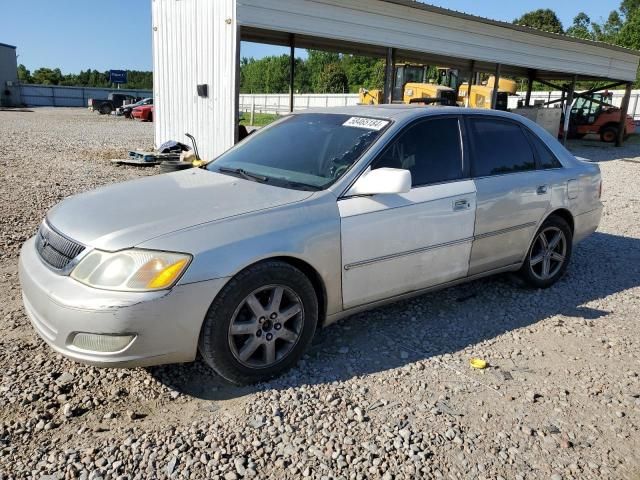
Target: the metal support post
pixel 389 75
pixel 567 110
pixel 624 107
pixel 496 83
pixel 292 70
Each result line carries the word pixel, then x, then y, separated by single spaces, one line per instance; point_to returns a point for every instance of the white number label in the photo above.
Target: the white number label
pixel 366 123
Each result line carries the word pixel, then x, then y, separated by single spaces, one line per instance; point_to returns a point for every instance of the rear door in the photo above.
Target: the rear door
pixel 394 244
pixel 512 195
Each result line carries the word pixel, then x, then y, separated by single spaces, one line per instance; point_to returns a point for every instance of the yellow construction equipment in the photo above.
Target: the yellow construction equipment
pixel 413 85
pixel 371 97
pixel 425 92
pixel 481 94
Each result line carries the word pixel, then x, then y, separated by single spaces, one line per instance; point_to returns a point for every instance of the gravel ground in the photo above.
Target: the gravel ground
pixel 385 394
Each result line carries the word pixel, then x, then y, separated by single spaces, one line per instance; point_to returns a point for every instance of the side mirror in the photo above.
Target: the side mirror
pixel 382 180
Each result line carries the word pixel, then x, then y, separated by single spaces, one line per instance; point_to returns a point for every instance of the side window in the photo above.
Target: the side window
pixel 430 150
pixel 546 158
pixel 499 147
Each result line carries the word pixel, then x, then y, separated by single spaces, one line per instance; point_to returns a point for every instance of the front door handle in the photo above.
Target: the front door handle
pixel 541 190
pixel 462 204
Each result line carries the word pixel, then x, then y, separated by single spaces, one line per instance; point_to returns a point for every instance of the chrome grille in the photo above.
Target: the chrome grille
pixel 56 249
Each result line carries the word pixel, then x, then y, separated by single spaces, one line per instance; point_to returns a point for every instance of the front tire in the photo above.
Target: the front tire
pixel 549 254
pixel 609 134
pixel 260 324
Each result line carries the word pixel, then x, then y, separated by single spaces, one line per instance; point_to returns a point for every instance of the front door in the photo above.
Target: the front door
pixel 394 244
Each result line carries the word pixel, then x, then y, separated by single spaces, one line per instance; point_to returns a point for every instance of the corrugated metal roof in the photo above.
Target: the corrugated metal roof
pixel 433 35
pixel 521 28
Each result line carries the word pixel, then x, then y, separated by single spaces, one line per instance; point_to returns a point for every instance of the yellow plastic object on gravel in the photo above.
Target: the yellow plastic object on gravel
pixel 478 363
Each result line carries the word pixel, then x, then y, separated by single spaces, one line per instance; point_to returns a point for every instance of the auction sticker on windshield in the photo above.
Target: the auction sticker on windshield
pixel 366 123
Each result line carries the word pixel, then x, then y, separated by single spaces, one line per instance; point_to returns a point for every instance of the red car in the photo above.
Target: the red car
pixel 143 112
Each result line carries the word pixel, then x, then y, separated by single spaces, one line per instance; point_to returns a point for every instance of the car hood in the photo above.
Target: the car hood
pixel 126 214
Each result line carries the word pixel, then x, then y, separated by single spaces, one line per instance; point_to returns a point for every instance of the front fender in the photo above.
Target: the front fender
pixel 308 231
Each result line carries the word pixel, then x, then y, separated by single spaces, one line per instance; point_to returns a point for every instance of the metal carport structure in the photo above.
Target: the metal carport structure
pixel 197 48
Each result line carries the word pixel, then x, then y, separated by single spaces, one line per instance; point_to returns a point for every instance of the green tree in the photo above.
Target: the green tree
pixel 542 19
pixel 629 35
pixel 609 30
pixel 333 79
pixel 276 74
pixel 24 75
pixel 629 7
pixel 316 62
pixel 581 27
pixel 47 76
pixel 363 72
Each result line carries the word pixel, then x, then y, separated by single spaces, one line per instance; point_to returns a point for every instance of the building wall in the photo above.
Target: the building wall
pixel 195 42
pixel 9 95
pixel 63 96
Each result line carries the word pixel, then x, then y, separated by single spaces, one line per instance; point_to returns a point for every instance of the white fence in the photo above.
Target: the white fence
pixel 60 96
pixel 279 103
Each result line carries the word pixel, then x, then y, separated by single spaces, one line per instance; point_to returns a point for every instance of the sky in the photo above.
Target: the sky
pixel 76 35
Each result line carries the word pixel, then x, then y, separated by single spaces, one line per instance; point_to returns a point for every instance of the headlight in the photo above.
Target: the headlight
pixel 409 92
pixel 131 270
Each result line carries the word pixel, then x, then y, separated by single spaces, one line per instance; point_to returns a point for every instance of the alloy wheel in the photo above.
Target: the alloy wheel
pixel 266 326
pixel 548 253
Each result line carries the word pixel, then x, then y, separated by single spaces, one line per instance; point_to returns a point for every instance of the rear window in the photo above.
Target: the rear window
pixel 499 147
pixel 546 159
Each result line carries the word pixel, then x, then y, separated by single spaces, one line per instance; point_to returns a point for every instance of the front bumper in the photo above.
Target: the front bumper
pixel 166 324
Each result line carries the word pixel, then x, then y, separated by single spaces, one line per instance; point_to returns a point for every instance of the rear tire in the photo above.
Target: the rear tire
pixel 260 324
pixel 549 254
pixel 105 110
pixel 609 134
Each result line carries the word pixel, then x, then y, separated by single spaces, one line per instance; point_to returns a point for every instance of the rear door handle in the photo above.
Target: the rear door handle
pixel 462 204
pixel 541 190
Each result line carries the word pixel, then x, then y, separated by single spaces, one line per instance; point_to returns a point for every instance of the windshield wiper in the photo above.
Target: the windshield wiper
pixel 243 173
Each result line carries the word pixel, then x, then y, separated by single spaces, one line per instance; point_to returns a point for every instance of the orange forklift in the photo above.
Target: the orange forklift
pixel 595 114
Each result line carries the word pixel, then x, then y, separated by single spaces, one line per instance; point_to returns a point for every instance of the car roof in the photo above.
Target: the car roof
pixel 403 111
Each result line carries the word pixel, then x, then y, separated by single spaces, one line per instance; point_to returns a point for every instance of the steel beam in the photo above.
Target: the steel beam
pixel 567 109
pixel 472 74
pixel 389 75
pixel 531 77
pixel 496 83
pixel 292 69
pixel 624 107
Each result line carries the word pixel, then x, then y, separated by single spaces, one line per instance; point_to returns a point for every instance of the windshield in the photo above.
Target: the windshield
pixel 308 151
pixel 414 74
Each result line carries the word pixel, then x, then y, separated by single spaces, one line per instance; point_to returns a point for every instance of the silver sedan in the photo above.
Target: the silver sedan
pixel 323 214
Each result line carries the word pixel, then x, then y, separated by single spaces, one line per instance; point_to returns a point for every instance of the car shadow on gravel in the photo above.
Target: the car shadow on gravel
pixel 438 323
pixel 595 150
